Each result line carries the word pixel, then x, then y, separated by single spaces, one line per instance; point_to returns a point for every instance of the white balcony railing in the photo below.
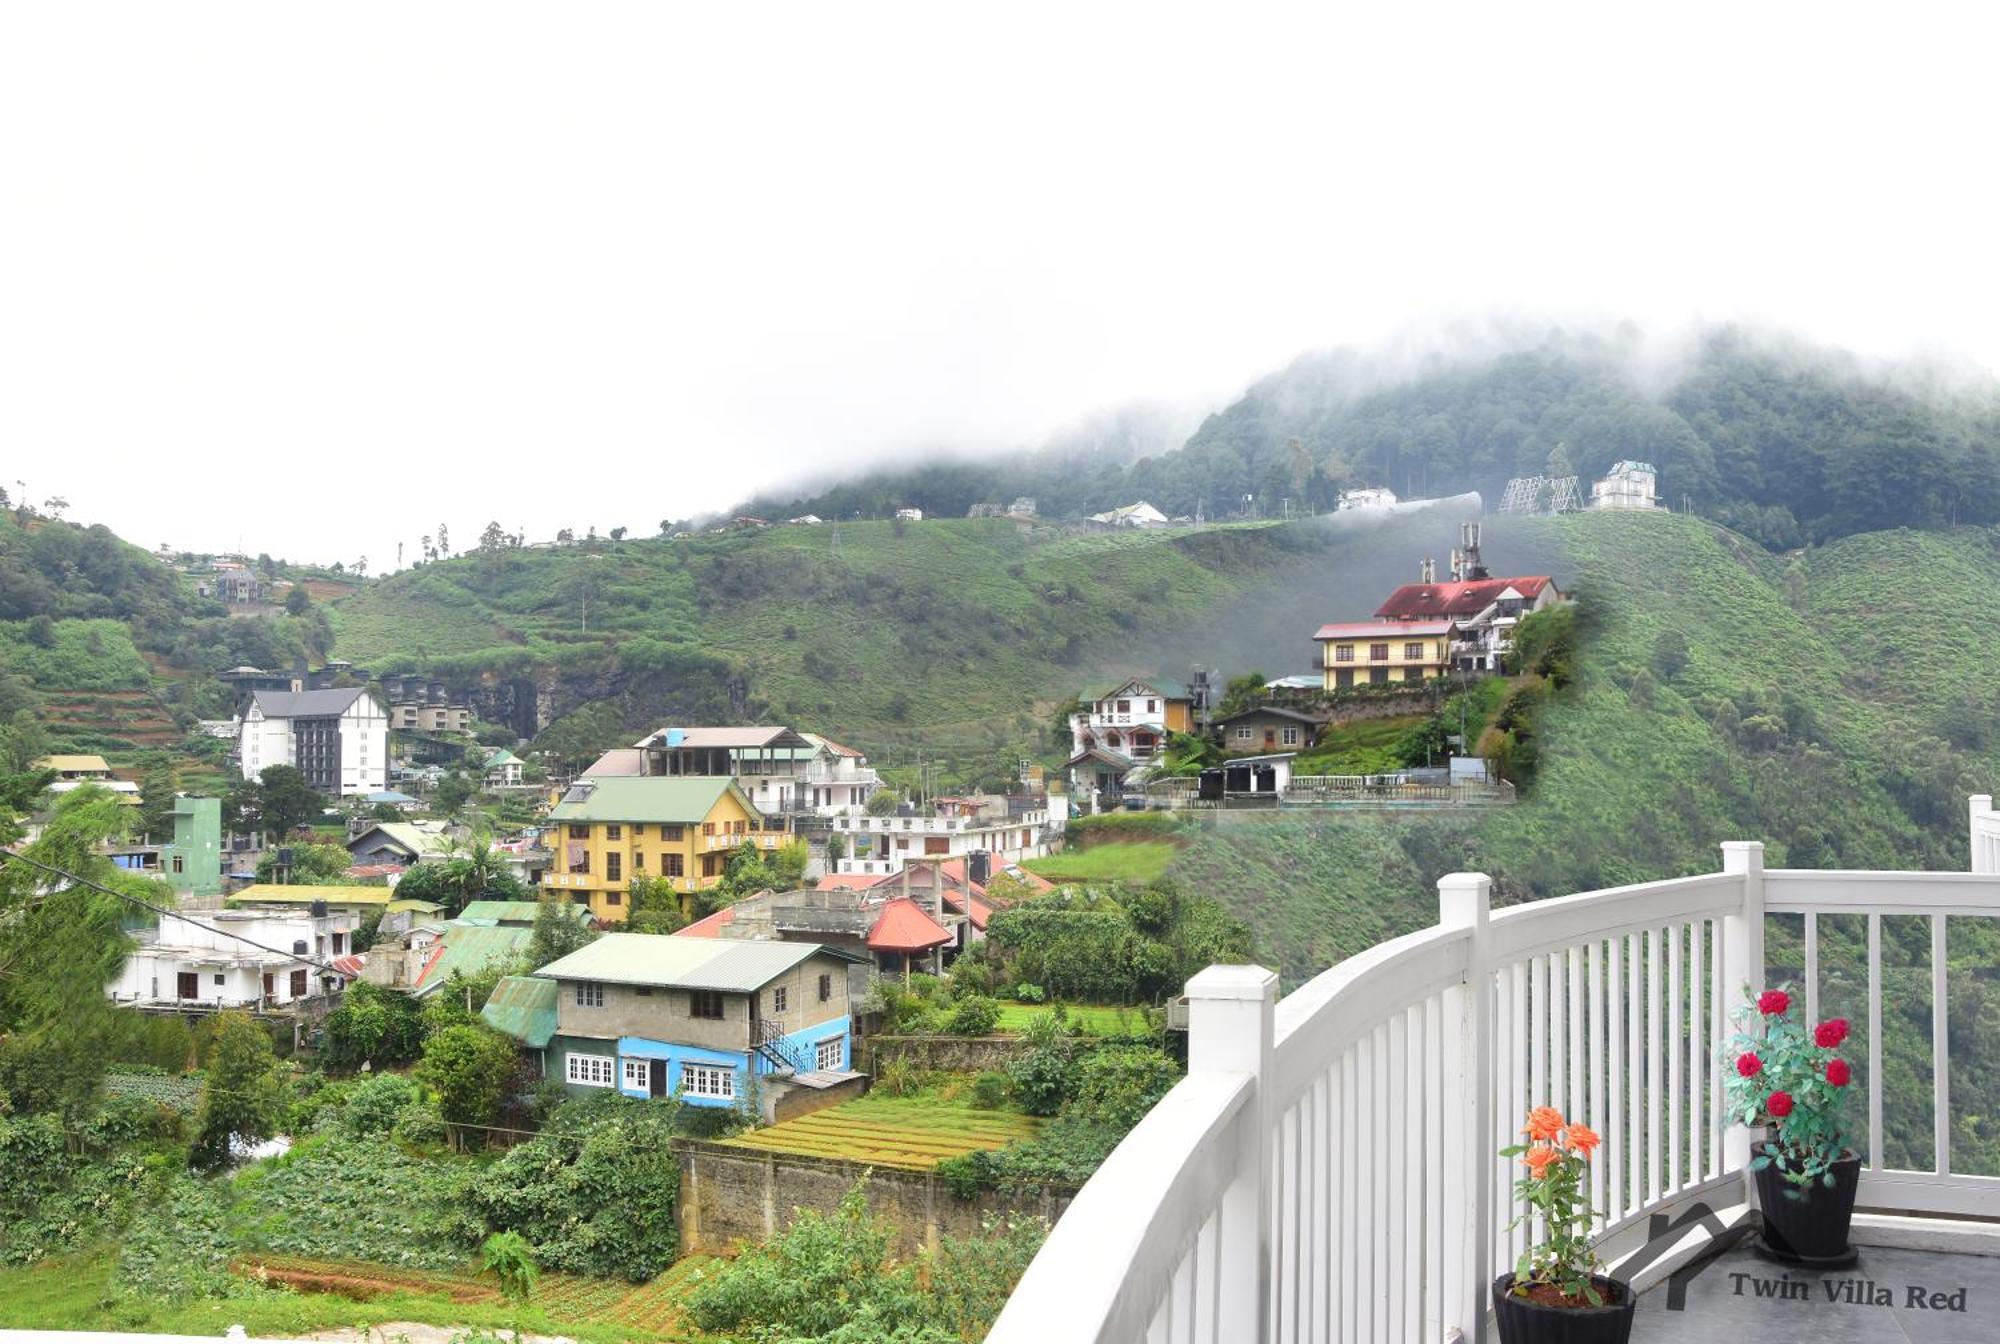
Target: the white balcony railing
pixel 1327 1168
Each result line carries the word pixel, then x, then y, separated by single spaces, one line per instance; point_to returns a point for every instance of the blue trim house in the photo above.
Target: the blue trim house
pixel 700 1019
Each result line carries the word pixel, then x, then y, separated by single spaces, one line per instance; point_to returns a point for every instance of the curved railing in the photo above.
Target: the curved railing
pixel 1327 1169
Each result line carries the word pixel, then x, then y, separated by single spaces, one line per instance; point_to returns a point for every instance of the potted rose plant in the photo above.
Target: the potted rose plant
pixel 1556 1294
pixel 1791 1081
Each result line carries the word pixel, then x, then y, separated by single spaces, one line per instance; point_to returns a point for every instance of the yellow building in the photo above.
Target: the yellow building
pixel 1376 653
pixel 683 829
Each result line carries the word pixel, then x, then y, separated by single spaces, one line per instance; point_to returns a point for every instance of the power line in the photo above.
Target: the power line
pixel 11 857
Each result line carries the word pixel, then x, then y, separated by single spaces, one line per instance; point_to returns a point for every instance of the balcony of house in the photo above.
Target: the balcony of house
pixel 1328 1169
pixel 736 840
pixel 863 824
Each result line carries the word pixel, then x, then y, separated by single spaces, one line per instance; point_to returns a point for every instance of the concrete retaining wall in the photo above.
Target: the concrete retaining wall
pixel 729 1195
pixel 949 1054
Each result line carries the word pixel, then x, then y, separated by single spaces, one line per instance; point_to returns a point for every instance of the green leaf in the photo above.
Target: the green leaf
pixel 1759 1162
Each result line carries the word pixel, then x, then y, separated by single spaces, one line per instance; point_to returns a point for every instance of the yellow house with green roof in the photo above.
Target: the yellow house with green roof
pixel 609 831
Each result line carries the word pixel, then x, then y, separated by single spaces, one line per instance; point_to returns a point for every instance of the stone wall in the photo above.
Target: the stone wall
pixel 948 1054
pixel 730 1195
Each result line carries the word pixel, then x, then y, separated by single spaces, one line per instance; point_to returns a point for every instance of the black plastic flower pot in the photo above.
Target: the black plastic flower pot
pixel 1807 1223
pixel 1523 1321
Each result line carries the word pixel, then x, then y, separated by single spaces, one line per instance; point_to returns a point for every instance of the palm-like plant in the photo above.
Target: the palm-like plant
pixel 509 1259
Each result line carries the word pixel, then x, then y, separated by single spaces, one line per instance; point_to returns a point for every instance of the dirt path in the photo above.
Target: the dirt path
pixel 412 1332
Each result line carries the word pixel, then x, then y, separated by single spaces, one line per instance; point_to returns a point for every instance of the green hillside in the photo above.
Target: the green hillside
pixel 953 636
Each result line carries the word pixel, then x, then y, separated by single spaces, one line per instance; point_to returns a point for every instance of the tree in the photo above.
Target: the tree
pixel 240 1095
pixel 477 872
pixel 492 538
pixel 156 800
pixel 1241 693
pixel 59 946
pixel 618 534
pixel 453 792
pixel 468 1067
pixel 298 601
pixel 564 536
pixel 558 932
pixel 312 865
pixel 287 800
pixel 444 541
pixel 653 906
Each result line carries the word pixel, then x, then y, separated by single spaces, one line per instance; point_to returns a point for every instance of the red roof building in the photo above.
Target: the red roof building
pixel 1463 600
pixel 905 928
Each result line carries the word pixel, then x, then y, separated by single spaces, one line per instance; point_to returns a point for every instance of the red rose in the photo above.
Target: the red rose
pixel 1749 1065
pixel 1773 1001
pixel 1779 1104
pixel 1830 1033
pixel 1838 1073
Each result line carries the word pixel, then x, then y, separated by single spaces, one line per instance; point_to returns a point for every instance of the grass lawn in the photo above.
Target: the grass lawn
pixel 1364 747
pixel 1134 861
pixel 1095 1019
pixel 910 1133
pixel 75 1293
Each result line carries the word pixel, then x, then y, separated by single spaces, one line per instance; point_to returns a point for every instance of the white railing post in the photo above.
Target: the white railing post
pixel 1742 966
pixel 1984 860
pixel 1464 902
pixel 1231 1029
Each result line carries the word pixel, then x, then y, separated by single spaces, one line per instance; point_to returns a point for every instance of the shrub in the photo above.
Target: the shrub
pixel 991 1090
pixel 1027 993
pixel 973 1016
pixel 898 1077
pixel 1115 1087
pixel 178 1249
pixel 375 1106
pixel 1044 1077
pixel 418 1125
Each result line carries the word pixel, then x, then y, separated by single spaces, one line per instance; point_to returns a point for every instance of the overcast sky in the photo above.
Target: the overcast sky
pixel 313 278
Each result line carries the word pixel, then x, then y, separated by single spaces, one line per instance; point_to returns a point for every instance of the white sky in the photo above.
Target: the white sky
pixel 316 277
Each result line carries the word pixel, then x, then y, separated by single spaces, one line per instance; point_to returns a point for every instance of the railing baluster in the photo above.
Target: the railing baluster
pixel 1875 1042
pixel 1320 1247
pixel 1635 1075
pixel 1699 1064
pixel 1812 967
pixel 1675 1021
pixel 1940 1050
pixel 1594 987
pixel 1350 1193
pixel 1374 1289
pixel 1205 1317
pixel 1652 1189
pixel 1538 1033
pixel 1285 1172
pixel 1573 991
pixel 1430 1317
pixel 1395 1280
pixel 1509 1119
pixel 1615 1112
pixel 1416 1173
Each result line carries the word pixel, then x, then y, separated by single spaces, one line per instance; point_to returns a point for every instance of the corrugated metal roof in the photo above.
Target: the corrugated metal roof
pixel 470 948
pixel 523 1007
pixel 73 763
pixel 743 736
pixel 270 893
pixel 731 965
pixel 521 912
pixel 681 800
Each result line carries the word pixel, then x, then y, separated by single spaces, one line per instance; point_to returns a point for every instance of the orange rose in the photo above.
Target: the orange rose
pixel 1544 1123
pixel 1582 1138
pixel 1538 1158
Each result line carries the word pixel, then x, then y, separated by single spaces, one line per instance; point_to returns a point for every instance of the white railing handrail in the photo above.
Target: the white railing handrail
pixel 1338 1149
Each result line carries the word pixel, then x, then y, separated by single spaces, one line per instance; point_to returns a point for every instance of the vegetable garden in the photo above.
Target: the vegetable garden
pixel 908 1133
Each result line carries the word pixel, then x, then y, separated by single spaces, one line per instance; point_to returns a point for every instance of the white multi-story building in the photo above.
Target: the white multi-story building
pixel 780 771
pixel 247 958
pixel 881 845
pixel 338 738
pixel 1374 497
pixel 1630 485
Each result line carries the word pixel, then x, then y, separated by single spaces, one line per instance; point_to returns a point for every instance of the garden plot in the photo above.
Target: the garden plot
pixel 908 1133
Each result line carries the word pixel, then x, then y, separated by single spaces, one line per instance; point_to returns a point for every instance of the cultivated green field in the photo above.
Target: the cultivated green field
pixel 1127 861
pixel 911 1133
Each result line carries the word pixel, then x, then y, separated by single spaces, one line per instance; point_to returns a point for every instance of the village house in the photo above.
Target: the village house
pixel 1006 828
pixel 1269 728
pixel 261 959
pixel 403 842
pixel 422 960
pixel 1139 514
pixel 503 770
pixel 782 772
pixel 608 831
pixel 73 772
pixel 1480 614
pixel 706 1020
pixel 338 738
pixel 1628 485
pixel 1376 653
pixel 1119 730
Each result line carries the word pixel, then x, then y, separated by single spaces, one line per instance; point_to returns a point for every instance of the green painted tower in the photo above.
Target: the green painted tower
pixel 192 864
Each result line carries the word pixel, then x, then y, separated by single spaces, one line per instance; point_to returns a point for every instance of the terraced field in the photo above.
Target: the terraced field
pixel 651 1308
pixel 909 1133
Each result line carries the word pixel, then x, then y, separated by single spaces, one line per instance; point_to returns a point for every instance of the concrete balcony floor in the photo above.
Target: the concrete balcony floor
pixel 1892 1296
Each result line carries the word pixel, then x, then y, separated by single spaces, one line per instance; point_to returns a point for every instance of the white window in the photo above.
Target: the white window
pixel 1243 733
pixel 638 1074
pixel 708 1080
pixel 828 1054
pixel 778 997
pixel 1291 737
pixel 589 995
pixel 588 1070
